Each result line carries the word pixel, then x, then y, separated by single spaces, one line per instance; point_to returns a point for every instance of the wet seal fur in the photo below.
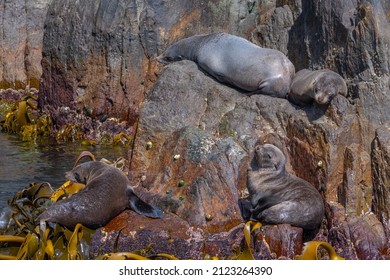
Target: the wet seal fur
pixel 320 86
pixel 236 61
pixel 106 194
pixel 278 197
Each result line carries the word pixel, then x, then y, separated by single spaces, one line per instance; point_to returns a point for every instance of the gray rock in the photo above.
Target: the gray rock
pixel 21 34
pixel 381 165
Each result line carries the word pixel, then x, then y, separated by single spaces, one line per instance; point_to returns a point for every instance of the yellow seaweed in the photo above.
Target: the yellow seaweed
pixel 121 256
pixel 7 257
pixel 249 228
pixel 29 247
pixel 67 189
pixel 120 163
pixel 167 256
pixel 311 248
pixel 49 249
pixel 121 138
pixel 21 114
pixel 11 238
pixel 73 253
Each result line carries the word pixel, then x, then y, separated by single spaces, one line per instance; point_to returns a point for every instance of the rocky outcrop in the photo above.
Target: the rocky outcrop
pixel 21 33
pixel 98 57
pixel 328 146
pixel 380 164
pixel 195 115
pixel 313 137
pixel 356 236
pixel 193 137
pixel 177 238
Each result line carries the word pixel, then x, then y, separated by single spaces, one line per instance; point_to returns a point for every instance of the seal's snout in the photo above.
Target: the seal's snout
pixel 322 100
pixel 69 176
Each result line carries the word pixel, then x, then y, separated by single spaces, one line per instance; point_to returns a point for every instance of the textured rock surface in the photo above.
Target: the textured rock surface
pixel 281 241
pixel 98 56
pixel 309 136
pixel 381 177
pixel 172 235
pixel 21 33
pixel 99 59
pixel 357 236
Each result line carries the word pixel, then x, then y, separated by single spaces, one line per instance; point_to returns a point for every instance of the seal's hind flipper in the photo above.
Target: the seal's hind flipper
pixel 141 207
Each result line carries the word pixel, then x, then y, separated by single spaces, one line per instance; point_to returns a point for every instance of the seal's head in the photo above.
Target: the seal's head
pixel 269 158
pixel 173 53
pixel 82 172
pixel 327 86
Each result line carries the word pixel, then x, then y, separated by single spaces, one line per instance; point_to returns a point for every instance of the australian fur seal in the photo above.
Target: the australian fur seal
pixel 106 194
pixel 278 197
pixel 319 86
pixel 236 61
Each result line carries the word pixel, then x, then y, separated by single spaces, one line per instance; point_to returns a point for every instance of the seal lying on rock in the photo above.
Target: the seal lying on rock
pixel 278 197
pixel 236 61
pixel 106 194
pixel 320 86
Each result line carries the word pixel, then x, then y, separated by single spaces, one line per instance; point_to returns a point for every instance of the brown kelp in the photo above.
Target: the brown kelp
pixel 19 114
pixel 312 249
pixel 21 238
pixel 23 118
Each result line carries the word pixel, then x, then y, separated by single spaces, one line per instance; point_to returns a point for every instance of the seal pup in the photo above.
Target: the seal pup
pixel 236 61
pixel 278 197
pixel 320 86
pixel 106 194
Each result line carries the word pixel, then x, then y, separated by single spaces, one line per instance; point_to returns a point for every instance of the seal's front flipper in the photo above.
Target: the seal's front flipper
pixel 141 207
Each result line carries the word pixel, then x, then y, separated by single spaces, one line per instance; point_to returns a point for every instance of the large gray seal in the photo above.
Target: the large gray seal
pixel 278 197
pixel 320 86
pixel 236 61
pixel 106 194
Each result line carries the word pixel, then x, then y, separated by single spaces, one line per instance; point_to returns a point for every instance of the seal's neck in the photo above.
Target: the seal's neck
pixel 188 48
pixel 269 176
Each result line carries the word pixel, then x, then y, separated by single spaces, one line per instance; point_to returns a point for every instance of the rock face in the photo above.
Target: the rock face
pixel 21 33
pixel 328 146
pixel 99 59
pixel 380 165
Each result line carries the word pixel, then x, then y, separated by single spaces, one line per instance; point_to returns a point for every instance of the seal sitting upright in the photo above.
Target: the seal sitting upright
pixel 106 194
pixel 319 86
pixel 278 197
pixel 236 61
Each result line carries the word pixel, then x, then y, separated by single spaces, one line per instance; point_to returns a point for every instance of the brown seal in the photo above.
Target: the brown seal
pixel 236 61
pixel 107 193
pixel 320 86
pixel 278 197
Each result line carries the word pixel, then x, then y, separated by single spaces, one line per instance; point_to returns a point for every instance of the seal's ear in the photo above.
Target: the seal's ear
pixel 141 207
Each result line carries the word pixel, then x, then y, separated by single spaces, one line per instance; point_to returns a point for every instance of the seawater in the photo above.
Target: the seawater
pixel 22 163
